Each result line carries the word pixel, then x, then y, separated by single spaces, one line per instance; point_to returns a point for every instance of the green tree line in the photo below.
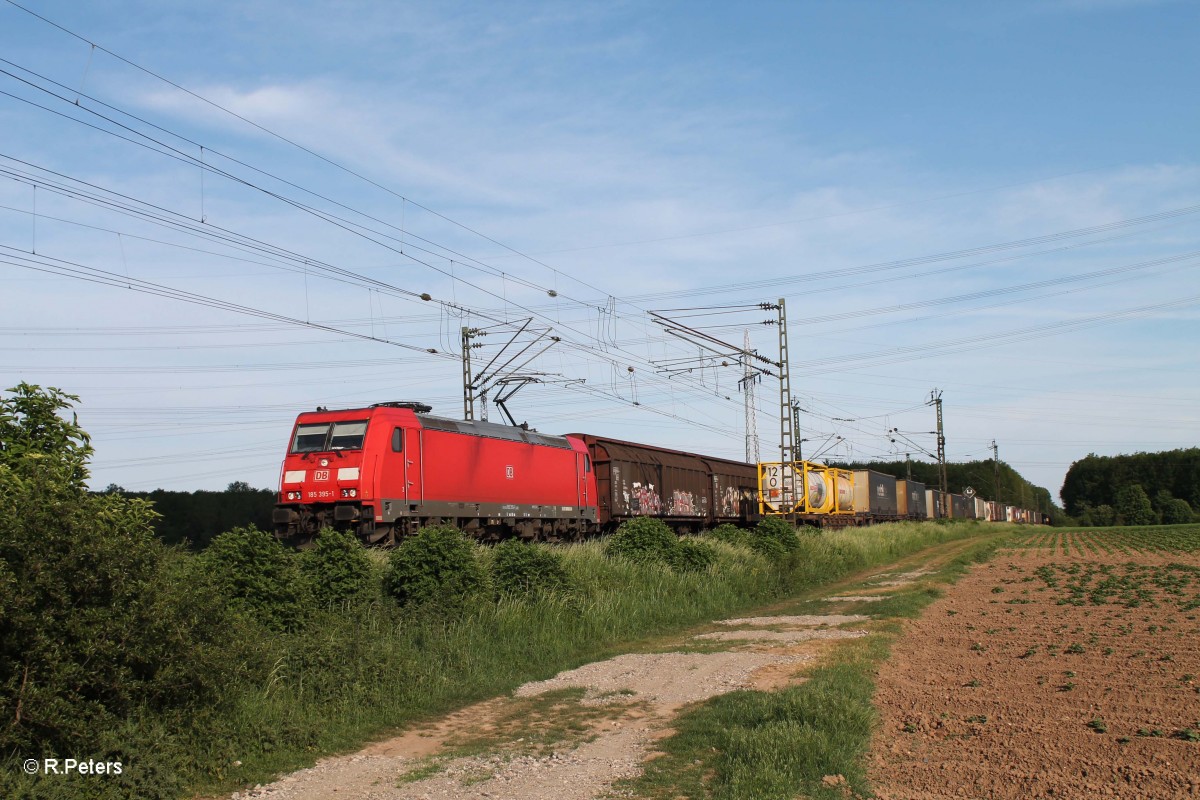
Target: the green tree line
pixel 1138 489
pixel 195 518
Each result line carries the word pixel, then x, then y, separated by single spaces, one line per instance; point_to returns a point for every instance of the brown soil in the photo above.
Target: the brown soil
pixel 1011 688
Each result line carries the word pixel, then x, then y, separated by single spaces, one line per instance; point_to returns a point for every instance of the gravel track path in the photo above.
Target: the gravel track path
pixel 646 689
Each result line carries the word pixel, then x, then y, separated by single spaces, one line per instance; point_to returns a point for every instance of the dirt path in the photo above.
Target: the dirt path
pixel 573 736
pixel 568 737
pixel 1048 675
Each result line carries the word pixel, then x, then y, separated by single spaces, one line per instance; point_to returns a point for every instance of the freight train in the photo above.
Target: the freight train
pixel 832 497
pixel 389 469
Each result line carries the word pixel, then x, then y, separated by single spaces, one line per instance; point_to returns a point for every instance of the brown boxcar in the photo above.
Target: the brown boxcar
pixel 682 489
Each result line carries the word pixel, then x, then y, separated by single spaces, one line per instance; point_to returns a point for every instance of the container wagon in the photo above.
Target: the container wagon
pixel 875 495
pixel 910 499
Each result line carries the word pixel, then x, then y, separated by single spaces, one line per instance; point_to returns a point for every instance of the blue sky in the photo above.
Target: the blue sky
pixel 990 199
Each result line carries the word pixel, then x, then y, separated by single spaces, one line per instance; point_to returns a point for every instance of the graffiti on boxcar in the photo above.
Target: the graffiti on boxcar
pixel 729 502
pixel 643 500
pixel 683 504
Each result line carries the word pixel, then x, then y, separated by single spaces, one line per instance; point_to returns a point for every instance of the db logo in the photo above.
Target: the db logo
pixel 320 475
pixel 508 472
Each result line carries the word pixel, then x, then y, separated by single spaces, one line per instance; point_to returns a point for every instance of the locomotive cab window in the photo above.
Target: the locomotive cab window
pixel 310 438
pixel 398 440
pixel 347 435
pixel 319 437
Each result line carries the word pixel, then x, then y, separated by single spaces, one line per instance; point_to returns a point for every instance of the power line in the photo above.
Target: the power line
pixel 57 266
pixel 911 352
pixel 297 145
pixel 1023 287
pixel 832 274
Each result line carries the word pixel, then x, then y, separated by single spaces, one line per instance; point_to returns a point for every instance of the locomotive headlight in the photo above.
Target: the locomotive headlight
pixel 293 495
pixel 354 492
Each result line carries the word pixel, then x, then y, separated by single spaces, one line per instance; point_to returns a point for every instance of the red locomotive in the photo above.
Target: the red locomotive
pixel 387 470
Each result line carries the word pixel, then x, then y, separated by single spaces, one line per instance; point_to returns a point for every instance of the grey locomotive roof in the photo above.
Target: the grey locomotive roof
pixel 492 430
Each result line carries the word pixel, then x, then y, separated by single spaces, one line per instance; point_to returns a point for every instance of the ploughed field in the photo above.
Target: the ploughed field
pixel 1067 667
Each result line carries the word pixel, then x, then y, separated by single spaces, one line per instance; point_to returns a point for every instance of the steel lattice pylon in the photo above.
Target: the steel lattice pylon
pixel 748 380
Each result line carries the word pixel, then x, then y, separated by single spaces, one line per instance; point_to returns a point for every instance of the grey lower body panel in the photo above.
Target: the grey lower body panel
pixel 388 511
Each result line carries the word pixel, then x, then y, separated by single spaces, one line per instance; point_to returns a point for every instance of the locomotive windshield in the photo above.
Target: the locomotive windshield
pixel 347 435
pixel 322 436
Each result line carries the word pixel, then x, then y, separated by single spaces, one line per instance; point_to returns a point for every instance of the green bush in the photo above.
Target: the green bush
pixel 778 530
pixel 772 537
pixel 34 438
pixel 693 555
pixel 1102 516
pixel 436 567
pixel 98 627
pixel 1177 512
pixel 527 570
pixel 336 569
pixel 644 540
pixel 730 534
pixel 772 544
pixel 1133 506
pixel 258 575
pixel 773 549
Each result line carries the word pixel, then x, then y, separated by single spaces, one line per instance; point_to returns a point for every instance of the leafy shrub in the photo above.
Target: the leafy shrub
pixel 258 575
pixel 96 627
pixel 34 438
pixel 731 534
pixel 1133 506
pixel 520 569
pixel 336 569
pixel 644 540
pixel 1102 516
pixel 1177 512
pixel 93 627
pixel 772 547
pixel 435 567
pixel 776 529
pixel 692 555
